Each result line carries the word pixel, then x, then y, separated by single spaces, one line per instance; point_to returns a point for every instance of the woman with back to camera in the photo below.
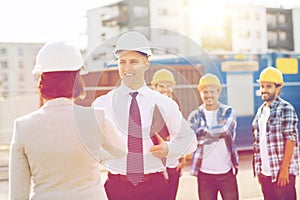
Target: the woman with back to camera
pixel 53 147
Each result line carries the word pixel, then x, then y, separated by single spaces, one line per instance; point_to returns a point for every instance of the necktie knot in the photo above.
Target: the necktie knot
pixel 133 94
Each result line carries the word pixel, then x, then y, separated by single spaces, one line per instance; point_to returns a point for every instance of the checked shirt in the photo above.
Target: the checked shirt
pixel 281 126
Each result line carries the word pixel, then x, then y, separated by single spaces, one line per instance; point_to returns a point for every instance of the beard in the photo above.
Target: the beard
pixel 269 97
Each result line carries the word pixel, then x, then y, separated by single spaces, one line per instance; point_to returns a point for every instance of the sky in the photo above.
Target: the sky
pixel 44 20
pixel 51 20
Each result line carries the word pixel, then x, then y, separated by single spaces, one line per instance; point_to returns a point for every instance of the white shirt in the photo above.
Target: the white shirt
pixel 116 105
pixel 262 125
pixel 216 158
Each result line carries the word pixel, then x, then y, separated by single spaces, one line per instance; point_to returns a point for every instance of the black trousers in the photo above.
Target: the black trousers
pixel 117 189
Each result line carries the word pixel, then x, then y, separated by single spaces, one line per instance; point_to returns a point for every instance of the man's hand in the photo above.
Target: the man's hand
pixel 283 177
pixel 259 177
pixel 161 150
pixel 181 164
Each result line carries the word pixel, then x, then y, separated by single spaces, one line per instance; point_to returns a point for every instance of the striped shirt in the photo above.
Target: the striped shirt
pixel 281 126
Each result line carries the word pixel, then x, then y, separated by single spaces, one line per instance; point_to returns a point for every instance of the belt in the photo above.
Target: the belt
pixel 147 177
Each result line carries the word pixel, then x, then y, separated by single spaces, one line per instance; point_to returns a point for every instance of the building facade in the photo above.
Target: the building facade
pixel 16 64
pixel 166 19
pixel 249 29
pixel 237 28
pixel 296 28
pixel 280 29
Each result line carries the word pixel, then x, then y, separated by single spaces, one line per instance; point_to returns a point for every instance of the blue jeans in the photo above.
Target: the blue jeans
pixel 273 192
pixel 210 184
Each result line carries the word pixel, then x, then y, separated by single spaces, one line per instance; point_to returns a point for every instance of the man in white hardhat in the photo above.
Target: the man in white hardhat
pixel 139 175
pixel 275 147
pixel 55 146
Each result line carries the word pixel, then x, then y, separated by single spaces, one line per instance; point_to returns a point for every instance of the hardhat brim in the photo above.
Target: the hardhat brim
pixel 146 52
pixel 38 69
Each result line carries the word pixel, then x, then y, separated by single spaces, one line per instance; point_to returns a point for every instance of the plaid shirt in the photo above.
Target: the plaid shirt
pixel 207 135
pixel 281 126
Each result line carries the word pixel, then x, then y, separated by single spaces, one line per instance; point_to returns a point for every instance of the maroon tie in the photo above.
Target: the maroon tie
pixel 135 163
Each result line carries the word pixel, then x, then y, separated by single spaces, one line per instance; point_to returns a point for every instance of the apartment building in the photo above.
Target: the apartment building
pixel 296 28
pixel 167 20
pixel 16 63
pixel 249 28
pixel 238 28
pixel 280 29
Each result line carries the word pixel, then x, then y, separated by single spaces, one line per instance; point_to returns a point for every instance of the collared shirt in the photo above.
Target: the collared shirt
pixel 281 126
pixel 116 105
pixel 206 135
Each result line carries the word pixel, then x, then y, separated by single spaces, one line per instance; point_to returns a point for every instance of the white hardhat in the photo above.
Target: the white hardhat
pixel 58 56
pixel 133 41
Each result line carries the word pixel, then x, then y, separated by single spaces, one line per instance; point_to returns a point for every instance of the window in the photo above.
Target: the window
pixel 4 77
pixel 103 37
pixel 244 34
pixel 3 51
pixel 244 15
pixel 21 77
pixel 140 11
pixel 99 56
pixel 281 19
pixel 20 52
pixel 21 65
pixel 257 16
pixel 271 19
pixel 282 35
pixel 163 12
pixel 258 34
pixel 110 22
pixel 172 50
pixel 3 64
pixel 272 37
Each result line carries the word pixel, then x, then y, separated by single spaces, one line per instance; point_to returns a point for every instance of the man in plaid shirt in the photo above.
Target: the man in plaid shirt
pixel 215 161
pixel 276 153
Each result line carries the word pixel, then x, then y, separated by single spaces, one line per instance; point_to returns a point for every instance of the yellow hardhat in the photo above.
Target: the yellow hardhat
pixel 209 79
pixel 163 75
pixel 271 74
